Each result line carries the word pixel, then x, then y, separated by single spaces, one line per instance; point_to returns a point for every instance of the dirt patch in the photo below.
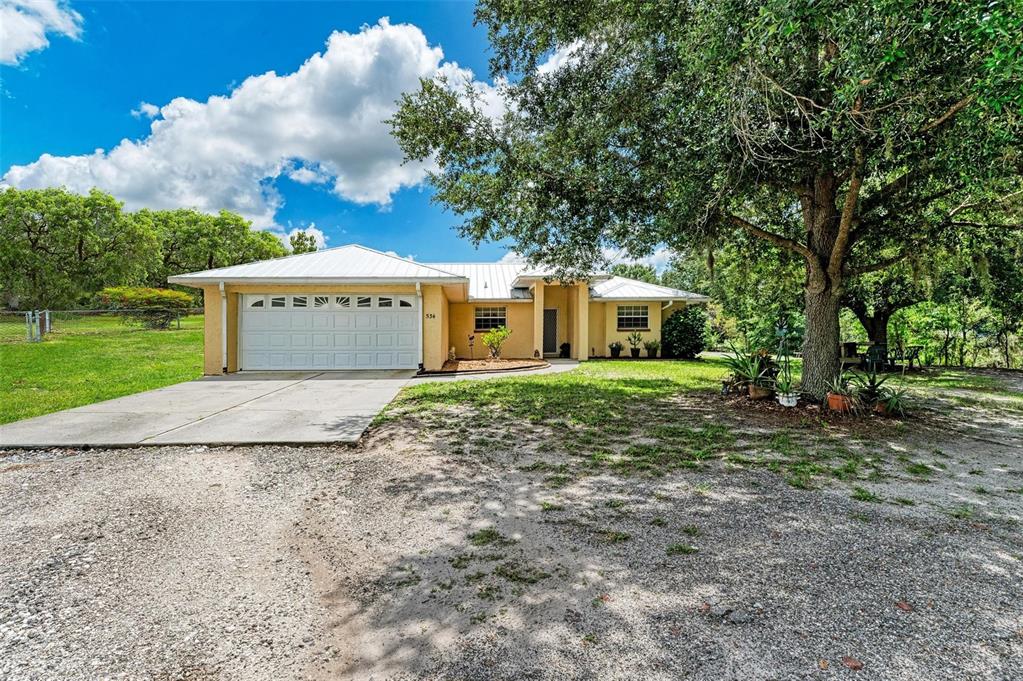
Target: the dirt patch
pixel 488 365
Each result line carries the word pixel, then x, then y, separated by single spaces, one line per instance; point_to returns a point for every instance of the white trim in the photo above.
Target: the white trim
pixel 419 325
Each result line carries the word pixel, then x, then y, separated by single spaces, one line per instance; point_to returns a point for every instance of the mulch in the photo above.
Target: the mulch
pixel 462 366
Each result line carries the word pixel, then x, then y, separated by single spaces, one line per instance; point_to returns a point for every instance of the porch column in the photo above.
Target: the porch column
pixel 581 342
pixel 538 317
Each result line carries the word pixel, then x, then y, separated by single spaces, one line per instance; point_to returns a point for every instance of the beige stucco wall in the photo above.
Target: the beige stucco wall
pixel 612 334
pixel 447 324
pixel 435 327
pixel 520 320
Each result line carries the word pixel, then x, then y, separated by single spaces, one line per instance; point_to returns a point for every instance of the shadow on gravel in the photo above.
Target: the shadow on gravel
pixel 480 569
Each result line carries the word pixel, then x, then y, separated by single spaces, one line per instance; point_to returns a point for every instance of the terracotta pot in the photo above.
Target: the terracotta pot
pixel 634 352
pixel 759 392
pixel 839 403
pixel 881 408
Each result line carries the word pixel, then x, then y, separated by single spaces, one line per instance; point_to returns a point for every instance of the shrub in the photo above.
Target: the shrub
pixel 495 338
pixel 684 334
pixel 154 308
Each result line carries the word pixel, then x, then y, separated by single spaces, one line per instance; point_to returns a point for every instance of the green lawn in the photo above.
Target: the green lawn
pixel 94 359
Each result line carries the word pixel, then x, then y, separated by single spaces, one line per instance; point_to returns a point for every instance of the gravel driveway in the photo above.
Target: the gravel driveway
pixel 401 558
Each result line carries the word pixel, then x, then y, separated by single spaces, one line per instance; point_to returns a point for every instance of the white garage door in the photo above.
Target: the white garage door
pixel 328 331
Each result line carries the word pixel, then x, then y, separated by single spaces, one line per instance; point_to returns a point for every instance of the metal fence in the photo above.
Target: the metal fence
pixel 33 326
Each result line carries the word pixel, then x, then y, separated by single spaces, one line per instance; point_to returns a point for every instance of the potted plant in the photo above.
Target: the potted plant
pixel 785 386
pixel 635 338
pixel 652 346
pixel 892 401
pixel 840 395
pixel 751 371
pixel 869 388
pixel 616 349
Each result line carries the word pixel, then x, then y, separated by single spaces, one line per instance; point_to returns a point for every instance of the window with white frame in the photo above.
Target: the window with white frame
pixel 488 318
pixel 300 301
pixel 404 302
pixel 278 301
pixel 343 302
pixel 363 301
pixel 256 301
pixel 321 301
pixel 633 318
pixel 385 302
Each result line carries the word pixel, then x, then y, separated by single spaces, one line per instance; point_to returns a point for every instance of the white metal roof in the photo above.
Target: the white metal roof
pixel 620 288
pixel 351 263
pixel 357 264
pixel 489 280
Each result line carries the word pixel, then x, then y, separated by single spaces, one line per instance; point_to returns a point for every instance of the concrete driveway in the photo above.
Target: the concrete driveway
pixel 244 408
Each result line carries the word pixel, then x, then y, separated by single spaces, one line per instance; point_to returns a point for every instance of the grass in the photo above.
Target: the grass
pixel 98 359
pixel 680 549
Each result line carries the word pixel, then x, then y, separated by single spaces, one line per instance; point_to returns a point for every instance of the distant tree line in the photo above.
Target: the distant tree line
pixel 59 249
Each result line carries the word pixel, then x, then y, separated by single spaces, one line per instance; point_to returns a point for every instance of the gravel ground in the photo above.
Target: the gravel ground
pixel 400 559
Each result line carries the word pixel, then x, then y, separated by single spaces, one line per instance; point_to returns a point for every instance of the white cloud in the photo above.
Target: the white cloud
pixel 659 259
pixel 312 230
pixel 24 25
pixel 146 110
pixel 561 57
pixel 325 118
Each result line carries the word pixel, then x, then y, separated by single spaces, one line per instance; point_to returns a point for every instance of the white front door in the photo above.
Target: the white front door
pixel 328 331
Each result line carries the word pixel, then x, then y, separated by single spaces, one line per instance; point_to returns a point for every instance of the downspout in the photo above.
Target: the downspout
pixel 223 327
pixel 419 322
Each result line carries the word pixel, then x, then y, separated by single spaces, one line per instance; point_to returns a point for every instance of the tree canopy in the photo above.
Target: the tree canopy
pixel 58 249
pixel 845 133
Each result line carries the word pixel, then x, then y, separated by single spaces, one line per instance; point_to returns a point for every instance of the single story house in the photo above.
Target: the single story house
pixel 352 307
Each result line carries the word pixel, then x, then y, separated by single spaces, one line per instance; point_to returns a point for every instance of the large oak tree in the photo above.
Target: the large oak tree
pixel 844 132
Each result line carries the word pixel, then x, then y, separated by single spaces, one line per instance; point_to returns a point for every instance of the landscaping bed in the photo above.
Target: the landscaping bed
pixel 489 365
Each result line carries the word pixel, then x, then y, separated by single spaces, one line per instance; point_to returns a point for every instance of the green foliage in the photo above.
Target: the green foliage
pixel 868 385
pixel 302 242
pixel 58 248
pixel 191 241
pixel 750 368
pixel 636 271
pixel 615 347
pixel 154 308
pixel 652 346
pixel 495 338
pixel 684 333
pixel 635 339
pixel 845 134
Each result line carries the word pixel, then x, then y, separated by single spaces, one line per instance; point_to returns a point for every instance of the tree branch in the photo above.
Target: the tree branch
pixel 838 251
pixel 948 115
pixel 776 239
pixel 884 263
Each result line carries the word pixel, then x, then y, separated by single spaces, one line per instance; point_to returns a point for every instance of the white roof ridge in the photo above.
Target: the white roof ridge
pixel 396 257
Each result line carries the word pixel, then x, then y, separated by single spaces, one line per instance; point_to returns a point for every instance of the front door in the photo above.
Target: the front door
pixel 550 332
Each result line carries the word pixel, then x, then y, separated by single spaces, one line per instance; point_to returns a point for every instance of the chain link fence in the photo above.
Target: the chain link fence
pixel 27 326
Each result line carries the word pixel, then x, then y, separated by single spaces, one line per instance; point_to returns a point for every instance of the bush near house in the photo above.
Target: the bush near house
pixel 684 334
pixel 153 308
pixel 495 338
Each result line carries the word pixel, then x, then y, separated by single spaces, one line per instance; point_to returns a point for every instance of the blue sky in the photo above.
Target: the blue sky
pixel 75 90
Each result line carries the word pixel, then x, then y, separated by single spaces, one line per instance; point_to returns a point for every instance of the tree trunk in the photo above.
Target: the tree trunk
pixel 876 326
pixel 821 360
